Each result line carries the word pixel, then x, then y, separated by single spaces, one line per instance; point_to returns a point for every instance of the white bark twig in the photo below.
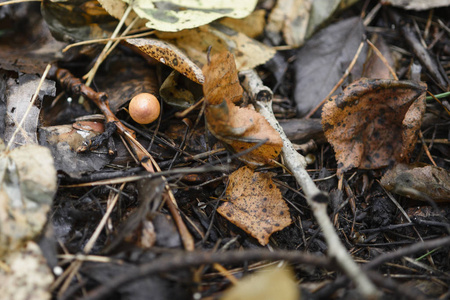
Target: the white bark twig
pixel 316 199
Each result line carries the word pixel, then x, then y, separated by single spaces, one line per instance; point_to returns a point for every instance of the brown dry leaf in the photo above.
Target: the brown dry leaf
pixel 418 182
pixel 252 25
pixel 374 122
pixel 255 204
pixel 291 18
pixel 374 66
pixel 169 55
pixel 239 128
pixel 248 52
pixel 221 80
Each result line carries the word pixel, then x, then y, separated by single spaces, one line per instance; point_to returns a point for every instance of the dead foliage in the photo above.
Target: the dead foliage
pixel 240 128
pixel 111 208
pixel 254 204
pixel 374 122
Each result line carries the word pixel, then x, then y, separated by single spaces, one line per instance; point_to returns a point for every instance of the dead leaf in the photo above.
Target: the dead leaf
pixel 175 15
pixel 117 8
pixel 418 4
pixel 323 10
pixel 291 18
pixel 322 60
pixel 64 141
pixel 221 80
pixel 19 93
pixel 130 78
pixel 252 25
pixel 255 204
pixel 267 284
pixel 77 20
pixel 418 182
pixel 374 122
pixel 239 128
pixel 169 55
pixel 248 52
pixel 374 66
pixel 179 92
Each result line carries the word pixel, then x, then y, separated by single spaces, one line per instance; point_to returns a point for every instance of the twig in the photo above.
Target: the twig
pixel 425 148
pixel 75 85
pixel 95 41
pixel 103 54
pixel 385 257
pixel 76 264
pixel 185 260
pixel 414 248
pixel 316 199
pixel 382 58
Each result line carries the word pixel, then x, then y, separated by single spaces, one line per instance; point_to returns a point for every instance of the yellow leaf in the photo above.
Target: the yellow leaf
pixel 267 284
pixel 255 204
pixel 176 15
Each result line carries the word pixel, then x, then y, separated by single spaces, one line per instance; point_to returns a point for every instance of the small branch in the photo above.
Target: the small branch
pixel 316 199
pixel 185 260
pixel 413 249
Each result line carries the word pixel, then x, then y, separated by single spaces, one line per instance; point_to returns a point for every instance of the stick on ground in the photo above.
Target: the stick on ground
pixel 316 199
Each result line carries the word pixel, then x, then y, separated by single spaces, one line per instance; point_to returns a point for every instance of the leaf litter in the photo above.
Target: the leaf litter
pixel 322 61
pixel 254 204
pixel 239 128
pixel 196 197
pixel 374 122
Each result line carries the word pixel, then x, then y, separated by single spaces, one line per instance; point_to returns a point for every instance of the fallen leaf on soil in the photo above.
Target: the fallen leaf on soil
pixel 374 66
pixel 130 78
pixel 221 80
pixel 291 18
pixel 323 10
pixel 248 52
pixel 374 122
pixel 77 20
pixel 179 92
pixel 267 284
pixel 417 4
pixel 19 92
pixel 117 8
pixel 239 128
pixel 255 204
pixel 252 25
pixel 323 59
pixel 64 141
pixel 418 182
pixel 169 55
pixel 175 15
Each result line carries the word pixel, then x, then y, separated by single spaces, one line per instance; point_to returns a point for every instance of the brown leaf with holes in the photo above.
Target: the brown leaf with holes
pixel 374 122
pixel 167 54
pixel 420 182
pixel 255 204
pixel 239 128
